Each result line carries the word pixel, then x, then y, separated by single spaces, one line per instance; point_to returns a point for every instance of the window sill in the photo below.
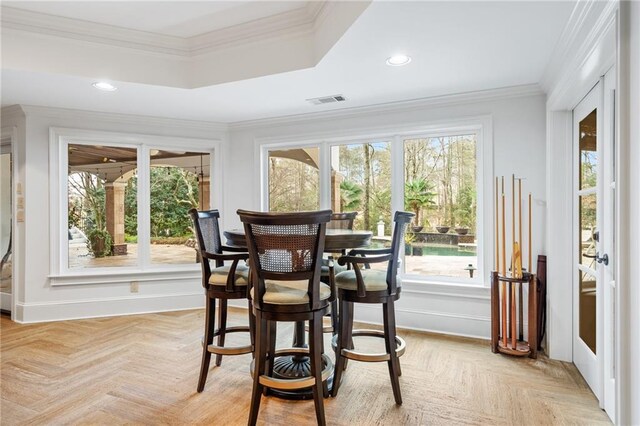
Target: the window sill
pixel 115 277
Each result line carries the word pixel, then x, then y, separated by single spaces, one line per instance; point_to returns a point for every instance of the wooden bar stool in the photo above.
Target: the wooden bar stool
pixel 359 285
pixel 223 282
pixel 286 256
pixel 338 221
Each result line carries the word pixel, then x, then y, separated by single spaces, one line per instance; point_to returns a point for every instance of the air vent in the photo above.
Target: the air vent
pixel 327 99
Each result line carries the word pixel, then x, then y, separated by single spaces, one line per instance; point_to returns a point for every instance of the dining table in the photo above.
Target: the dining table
pixel 298 366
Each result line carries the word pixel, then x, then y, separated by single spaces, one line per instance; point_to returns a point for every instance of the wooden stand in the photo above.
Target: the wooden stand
pixel 505 337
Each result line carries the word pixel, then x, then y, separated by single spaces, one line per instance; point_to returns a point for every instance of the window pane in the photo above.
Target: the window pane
pixel 440 189
pixel 587 249
pixel 102 200
pixel 587 308
pixel 361 182
pixel 294 179
pixel 588 151
pixel 179 181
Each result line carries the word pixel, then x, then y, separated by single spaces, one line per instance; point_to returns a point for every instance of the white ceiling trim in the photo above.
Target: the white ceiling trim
pixel 453 99
pixel 138 120
pixel 290 23
pixel 587 22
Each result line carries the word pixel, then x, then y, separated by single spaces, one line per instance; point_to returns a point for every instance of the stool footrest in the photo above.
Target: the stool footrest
pixel 376 357
pixel 293 384
pixel 230 350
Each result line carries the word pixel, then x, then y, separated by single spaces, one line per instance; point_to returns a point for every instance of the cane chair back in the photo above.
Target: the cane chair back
pixel 285 247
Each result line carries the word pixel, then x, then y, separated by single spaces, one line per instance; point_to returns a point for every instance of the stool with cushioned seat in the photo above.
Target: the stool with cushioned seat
pixel 286 257
pixel 370 286
pixel 221 283
pixel 343 220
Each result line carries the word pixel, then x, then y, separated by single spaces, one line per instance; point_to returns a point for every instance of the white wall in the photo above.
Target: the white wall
pixel 519 147
pixel 37 299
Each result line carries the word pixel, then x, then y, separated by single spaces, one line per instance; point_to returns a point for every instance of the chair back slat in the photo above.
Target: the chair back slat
pixel 342 220
pixel 401 220
pixel 207 233
pixel 287 247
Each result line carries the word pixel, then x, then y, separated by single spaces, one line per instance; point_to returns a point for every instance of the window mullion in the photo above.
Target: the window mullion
pixel 325 176
pixel 144 203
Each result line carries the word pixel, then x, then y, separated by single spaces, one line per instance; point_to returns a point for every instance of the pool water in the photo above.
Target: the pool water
pixel 431 249
pixel 438 250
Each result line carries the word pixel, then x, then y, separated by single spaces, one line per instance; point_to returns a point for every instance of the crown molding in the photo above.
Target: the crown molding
pixel 354 112
pixel 286 24
pixel 76 29
pixel 587 23
pixel 11 114
pixel 140 120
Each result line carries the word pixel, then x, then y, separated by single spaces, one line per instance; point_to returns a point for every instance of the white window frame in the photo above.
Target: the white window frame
pixel 60 138
pixel 481 126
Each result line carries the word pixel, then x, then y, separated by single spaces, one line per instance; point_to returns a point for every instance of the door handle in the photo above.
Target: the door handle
pixel 604 259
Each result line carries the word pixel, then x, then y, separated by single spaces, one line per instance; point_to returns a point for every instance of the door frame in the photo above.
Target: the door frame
pixel 11 133
pixel 583 60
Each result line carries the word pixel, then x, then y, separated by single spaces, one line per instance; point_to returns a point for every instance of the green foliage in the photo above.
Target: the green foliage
pixel 418 195
pixel 169 240
pixel 350 196
pixel 174 191
pixel 99 243
pixel 465 211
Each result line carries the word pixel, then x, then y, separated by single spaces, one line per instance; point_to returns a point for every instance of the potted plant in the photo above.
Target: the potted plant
pixel 417 194
pixel 443 229
pixel 99 242
pixel 409 239
pixel 462 230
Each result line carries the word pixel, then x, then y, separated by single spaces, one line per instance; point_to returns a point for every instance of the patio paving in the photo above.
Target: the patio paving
pixel 451 266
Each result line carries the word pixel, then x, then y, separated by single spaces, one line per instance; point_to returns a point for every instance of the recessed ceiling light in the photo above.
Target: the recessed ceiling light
pixel 398 60
pixel 103 85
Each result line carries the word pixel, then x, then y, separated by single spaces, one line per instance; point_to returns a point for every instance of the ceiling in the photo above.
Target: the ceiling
pixel 179 19
pixel 456 47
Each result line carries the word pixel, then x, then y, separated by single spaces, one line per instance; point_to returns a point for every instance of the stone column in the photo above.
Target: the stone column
pixel 203 193
pixel 115 215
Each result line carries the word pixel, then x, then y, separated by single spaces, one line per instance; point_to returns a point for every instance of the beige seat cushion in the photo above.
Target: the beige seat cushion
pixel 374 280
pixel 290 292
pixel 219 275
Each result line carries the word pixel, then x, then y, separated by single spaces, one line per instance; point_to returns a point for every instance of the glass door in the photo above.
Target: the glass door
pixel 5 225
pixel 588 215
pixel 594 284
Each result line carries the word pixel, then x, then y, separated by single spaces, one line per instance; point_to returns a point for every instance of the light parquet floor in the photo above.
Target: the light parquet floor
pixel 143 369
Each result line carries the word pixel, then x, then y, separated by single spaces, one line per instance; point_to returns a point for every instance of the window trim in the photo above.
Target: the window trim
pixel 482 126
pixel 59 139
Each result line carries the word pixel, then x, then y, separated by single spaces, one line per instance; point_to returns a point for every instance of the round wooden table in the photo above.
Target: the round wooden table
pixel 335 239
pixel 298 366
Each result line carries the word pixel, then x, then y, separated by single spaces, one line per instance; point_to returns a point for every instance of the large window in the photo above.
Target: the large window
pixel 124 201
pixel 436 174
pixel 294 179
pixel 440 188
pixel 361 182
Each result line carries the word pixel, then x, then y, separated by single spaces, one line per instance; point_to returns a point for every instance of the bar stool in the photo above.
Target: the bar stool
pixel 223 282
pixel 286 256
pixel 370 286
pixel 338 221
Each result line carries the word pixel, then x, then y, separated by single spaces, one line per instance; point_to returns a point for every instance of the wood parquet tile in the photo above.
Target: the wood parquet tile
pixel 143 369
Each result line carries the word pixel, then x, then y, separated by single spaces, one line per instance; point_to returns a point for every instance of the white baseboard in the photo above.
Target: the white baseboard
pixel 457 324
pixel 93 308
